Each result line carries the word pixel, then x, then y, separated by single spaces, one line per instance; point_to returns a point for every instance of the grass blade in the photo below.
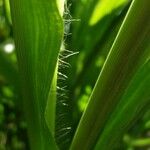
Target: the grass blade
pixel 38 32
pixel 134 103
pixel 126 55
pixel 104 7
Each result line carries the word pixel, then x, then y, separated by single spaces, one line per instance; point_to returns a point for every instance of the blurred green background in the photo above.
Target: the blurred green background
pixel 90 29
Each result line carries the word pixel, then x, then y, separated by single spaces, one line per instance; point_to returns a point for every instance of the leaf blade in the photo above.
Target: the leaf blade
pixel 133 104
pixel 38 32
pixel 126 55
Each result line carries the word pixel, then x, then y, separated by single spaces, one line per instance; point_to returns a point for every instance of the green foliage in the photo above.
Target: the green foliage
pixel 38 31
pixel 79 91
pixel 126 55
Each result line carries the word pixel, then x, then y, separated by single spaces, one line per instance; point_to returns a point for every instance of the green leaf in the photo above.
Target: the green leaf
pixel 127 54
pixel 134 103
pixel 38 33
pixel 83 40
pixel 140 142
pixel 51 105
pixel 104 7
pixel 7 11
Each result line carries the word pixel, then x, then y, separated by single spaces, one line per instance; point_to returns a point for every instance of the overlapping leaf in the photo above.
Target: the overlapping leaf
pixel 38 32
pixel 134 103
pixel 126 56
